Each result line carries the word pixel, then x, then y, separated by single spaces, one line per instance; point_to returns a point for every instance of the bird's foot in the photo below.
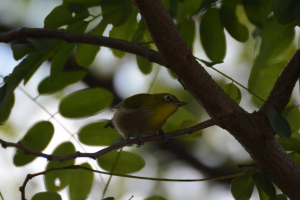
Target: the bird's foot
pixel 140 138
pixel 163 134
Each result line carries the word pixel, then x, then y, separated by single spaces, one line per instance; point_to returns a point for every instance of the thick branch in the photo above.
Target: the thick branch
pixel 178 57
pixel 153 138
pixel 25 33
pixel 252 131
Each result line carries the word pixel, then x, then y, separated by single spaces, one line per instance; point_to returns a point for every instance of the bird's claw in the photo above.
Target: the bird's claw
pixel 140 138
pixel 163 134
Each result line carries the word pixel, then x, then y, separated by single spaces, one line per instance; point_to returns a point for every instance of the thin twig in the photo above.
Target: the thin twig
pixel 233 81
pixel 153 138
pixel 251 165
pixel 154 78
pixel 30 176
pixel 1 196
pixel 131 197
pixel 112 171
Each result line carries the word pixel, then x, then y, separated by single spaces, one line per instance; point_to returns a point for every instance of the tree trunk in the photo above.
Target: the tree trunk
pixel 253 131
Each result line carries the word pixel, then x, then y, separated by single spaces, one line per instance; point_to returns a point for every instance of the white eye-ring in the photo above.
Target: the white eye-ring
pixel 168 98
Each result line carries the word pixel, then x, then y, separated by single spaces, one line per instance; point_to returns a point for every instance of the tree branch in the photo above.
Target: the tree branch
pixel 30 176
pixel 25 33
pixel 153 138
pixel 178 57
pixel 253 131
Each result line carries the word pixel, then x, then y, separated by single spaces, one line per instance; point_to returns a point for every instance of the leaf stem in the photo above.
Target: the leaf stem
pixel 1 196
pixel 234 81
pixel 154 78
pixel 141 177
pixel 112 170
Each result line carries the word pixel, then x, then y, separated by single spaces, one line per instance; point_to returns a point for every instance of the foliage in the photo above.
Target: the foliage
pixel 272 23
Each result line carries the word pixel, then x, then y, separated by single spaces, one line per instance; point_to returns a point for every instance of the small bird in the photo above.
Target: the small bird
pixel 144 115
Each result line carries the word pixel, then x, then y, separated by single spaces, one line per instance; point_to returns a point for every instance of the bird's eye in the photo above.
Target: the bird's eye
pixel 168 98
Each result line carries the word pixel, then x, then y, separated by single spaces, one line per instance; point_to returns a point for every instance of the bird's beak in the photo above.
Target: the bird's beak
pixel 178 103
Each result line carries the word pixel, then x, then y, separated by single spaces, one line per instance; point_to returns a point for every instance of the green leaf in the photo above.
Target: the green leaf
pixel 155 198
pixel 285 11
pixel 263 78
pixel 127 163
pixel 180 120
pixel 138 34
pixel 297 10
pixel 212 35
pixel 292 115
pixel 242 186
pixel 21 71
pixel 123 32
pixel 230 21
pixel 257 11
pixel 61 176
pixel 233 92
pixel 116 12
pixel 187 8
pixel 187 30
pixel 78 27
pixel 85 53
pixel 46 196
pixel 37 138
pixel 81 183
pixel 4 114
pixel 295 157
pixel 172 74
pixel 43 45
pixel 145 66
pixel 24 70
pixel 35 60
pixel 64 79
pixel 264 185
pixel 21 50
pixel 281 197
pixel 279 123
pixel 109 198
pixel 85 103
pixel 173 6
pixel 93 134
pixel 275 38
pixel 65 14
pixel 290 144
pixel 86 3
pixel 148 37
pixel 263 195
pixel 59 60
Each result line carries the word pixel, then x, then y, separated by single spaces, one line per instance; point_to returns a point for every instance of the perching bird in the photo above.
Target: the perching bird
pixel 143 114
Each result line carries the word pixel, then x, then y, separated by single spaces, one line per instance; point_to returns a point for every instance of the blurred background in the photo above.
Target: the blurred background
pixel 216 153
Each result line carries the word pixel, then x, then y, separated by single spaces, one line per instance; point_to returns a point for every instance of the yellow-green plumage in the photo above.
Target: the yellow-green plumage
pixel 144 114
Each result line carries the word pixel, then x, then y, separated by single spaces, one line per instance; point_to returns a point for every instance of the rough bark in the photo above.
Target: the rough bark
pixel 253 131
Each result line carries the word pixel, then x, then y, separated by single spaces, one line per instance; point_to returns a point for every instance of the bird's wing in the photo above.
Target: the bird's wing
pixel 135 102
